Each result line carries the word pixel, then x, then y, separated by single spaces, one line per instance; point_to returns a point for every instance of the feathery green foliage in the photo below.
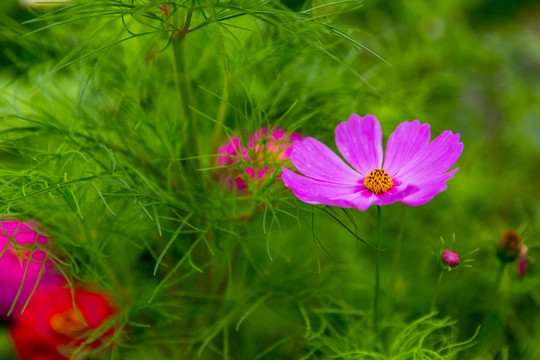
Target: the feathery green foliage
pixel 111 116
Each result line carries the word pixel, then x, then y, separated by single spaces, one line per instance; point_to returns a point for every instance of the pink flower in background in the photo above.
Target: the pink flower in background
pixel 413 172
pixel 23 265
pixel 522 262
pixel 266 150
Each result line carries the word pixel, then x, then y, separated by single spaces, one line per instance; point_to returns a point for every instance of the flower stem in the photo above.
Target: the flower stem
pixel 439 281
pixel 184 88
pixel 397 256
pixel 377 272
pixel 499 277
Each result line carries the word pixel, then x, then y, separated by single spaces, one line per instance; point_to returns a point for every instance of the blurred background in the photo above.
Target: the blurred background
pixel 298 284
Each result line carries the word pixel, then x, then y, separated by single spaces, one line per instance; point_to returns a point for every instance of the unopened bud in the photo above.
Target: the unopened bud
pixel 165 9
pixel 509 246
pixel 450 258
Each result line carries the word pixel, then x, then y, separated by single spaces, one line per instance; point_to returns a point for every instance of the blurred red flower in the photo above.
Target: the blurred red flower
pixel 51 329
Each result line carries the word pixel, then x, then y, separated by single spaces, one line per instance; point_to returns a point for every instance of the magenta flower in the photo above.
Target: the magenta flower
pixel 21 263
pixel 256 162
pixel 450 258
pixel 413 172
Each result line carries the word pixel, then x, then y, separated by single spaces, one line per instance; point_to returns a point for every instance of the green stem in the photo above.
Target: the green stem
pixel 396 259
pixel 498 279
pixel 377 272
pixel 439 281
pixel 185 94
pixel 187 116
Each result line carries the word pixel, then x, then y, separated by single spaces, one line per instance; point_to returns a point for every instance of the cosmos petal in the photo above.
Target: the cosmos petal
pixel 404 144
pixel 433 160
pixel 366 198
pixel 429 189
pixel 360 142
pixel 314 159
pixel 313 191
pixel 398 194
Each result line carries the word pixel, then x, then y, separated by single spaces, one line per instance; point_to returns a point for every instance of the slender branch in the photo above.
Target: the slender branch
pixel 185 94
pixel 437 290
pixel 377 272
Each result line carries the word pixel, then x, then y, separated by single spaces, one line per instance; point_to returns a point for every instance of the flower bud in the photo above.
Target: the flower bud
pixel 509 247
pixel 165 10
pixel 450 258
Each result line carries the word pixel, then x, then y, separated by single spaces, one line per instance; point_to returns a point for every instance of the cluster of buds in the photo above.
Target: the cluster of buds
pixel 510 248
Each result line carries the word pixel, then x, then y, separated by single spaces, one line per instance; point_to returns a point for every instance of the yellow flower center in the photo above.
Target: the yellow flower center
pixel 67 323
pixel 378 181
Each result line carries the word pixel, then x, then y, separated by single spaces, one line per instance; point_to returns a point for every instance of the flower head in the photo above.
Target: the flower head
pixel 51 329
pixel 450 258
pixel 413 171
pixel 256 162
pixel 23 264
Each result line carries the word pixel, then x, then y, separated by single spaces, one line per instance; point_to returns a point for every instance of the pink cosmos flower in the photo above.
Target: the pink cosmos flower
pixel 414 169
pixel 256 162
pixel 21 263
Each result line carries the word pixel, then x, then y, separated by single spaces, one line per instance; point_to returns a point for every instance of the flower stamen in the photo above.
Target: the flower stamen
pixel 67 323
pixel 378 181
